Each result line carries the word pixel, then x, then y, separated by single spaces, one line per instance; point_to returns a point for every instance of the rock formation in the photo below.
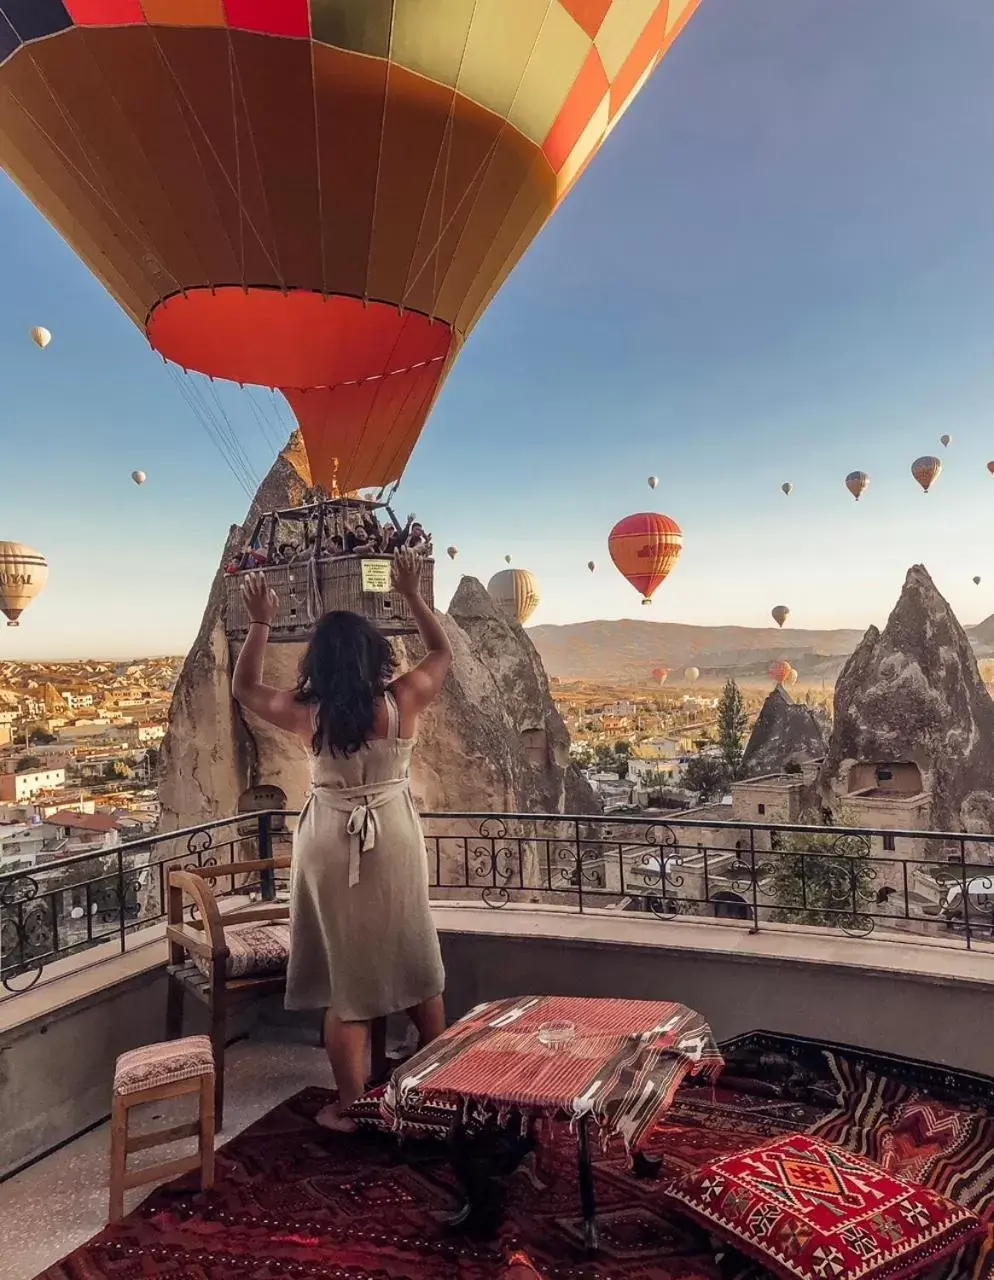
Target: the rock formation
pixel 913 693
pixel 493 741
pixel 785 733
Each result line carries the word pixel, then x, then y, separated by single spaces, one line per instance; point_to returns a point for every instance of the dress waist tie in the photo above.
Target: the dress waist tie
pixel 361 804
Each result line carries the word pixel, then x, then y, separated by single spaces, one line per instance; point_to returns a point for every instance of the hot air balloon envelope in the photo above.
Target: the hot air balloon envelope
pixel 787 487
pixel 316 195
pixel 40 337
pixel 591 565
pixel 780 670
pixel 653 481
pixel 691 673
pixel 945 441
pixel 780 613
pixel 139 477
pixel 659 674
pixel 990 467
pixel 23 574
pixel 452 552
pixel 644 548
pixel 515 592
pixel 856 482
pixel 926 471
pixel 976 582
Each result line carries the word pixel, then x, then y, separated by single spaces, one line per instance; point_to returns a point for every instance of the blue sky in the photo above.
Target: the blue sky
pixel 781 266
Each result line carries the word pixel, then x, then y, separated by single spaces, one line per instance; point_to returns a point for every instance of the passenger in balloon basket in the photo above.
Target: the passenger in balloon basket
pixel 359 866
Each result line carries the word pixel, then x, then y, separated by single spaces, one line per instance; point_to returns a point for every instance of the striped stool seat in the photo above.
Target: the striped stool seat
pixel 154 1065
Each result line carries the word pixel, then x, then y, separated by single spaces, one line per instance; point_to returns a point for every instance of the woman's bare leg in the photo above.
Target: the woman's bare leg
pixel 347 1044
pixel 429 1018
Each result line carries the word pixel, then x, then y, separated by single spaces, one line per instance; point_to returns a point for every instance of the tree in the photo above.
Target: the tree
pixel 708 776
pixel 732 724
pixel 622 748
pixel 39 738
pixel 116 769
pixel 819 880
pixel 29 764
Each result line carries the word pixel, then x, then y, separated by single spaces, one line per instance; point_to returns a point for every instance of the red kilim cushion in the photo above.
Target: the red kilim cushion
pixel 808 1210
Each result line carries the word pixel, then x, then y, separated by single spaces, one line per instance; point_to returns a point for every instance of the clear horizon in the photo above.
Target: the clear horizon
pixel 780 267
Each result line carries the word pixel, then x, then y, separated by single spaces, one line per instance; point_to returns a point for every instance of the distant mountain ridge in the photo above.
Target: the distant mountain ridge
pixel 625 651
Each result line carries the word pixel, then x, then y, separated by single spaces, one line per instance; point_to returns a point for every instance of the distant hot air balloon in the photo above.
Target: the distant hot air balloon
pixel 976 582
pixel 926 471
pixel 659 674
pixel 591 565
pixel 507 559
pixel 780 614
pixel 856 482
pixel 319 196
pixel 791 677
pixel 780 670
pixel 787 487
pixel 945 441
pixel 990 467
pixel 515 592
pixel 644 548
pixel 139 477
pixel 23 574
pixel 690 674
pixel 452 552
pixel 40 337
pixel 653 481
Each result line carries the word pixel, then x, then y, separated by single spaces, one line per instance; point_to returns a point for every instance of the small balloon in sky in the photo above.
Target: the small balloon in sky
pixel 976 582
pixel 507 559
pixel 139 477
pixel 780 614
pixel 653 481
pixel 591 565
pixel 945 441
pixel 856 482
pixel 40 337
pixel 452 552
pixel 787 488
pixel 926 471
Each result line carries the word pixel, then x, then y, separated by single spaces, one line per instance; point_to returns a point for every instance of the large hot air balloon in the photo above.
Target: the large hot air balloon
pixel 139 477
pixel 690 674
pixel 644 548
pixel 40 336
pixel 926 471
pixel 856 482
pixel 780 670
pixel 787 488
pixel 452 552
pixel 780 613
pixel 316 195
pixel 23 574
pixel 945 441
pixel 659 674
pixel 653 481
pixel 515 592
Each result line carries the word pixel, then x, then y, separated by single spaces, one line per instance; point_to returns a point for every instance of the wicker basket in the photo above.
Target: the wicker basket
pixel 307 590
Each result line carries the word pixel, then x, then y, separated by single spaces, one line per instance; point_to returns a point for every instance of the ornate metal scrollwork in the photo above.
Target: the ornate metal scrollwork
pixel 198 842
pixel 495 864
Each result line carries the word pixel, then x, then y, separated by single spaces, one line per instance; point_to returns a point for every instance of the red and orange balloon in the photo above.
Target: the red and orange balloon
pixel 644 548
pixel 659 674
pixel 780 671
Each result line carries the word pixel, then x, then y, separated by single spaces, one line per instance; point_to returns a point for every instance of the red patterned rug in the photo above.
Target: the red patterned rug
pixel 294 1201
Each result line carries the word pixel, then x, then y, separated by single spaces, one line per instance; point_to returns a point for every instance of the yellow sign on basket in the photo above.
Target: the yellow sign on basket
pixel 376 575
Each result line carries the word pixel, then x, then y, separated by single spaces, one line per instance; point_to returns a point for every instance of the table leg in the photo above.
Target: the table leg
pixel 588 1198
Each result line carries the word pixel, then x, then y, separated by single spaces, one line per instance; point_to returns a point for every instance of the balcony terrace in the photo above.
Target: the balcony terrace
pixel 789 930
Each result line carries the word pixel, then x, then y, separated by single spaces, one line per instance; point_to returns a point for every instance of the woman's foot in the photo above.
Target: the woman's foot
pixel 330 1117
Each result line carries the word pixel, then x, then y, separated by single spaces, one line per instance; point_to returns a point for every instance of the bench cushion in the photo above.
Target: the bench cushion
pixel 257 949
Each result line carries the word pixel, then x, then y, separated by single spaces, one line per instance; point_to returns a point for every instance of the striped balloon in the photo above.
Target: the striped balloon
pixel 856 482
pixel 516 593
pixel 926 471
pixel 644 548
pixel 781 670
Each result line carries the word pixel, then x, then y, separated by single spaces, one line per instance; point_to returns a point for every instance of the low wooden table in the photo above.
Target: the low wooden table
pixel 616 1064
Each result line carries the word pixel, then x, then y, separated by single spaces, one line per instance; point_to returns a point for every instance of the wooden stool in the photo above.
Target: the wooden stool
pixel 150 1074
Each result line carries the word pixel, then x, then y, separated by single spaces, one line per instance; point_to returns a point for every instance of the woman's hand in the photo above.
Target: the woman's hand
pixel 406 572
pixel 261 602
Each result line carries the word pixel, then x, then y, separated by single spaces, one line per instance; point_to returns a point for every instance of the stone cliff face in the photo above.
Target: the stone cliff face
pixel 913 693
pixel 493 741
pixel 786 732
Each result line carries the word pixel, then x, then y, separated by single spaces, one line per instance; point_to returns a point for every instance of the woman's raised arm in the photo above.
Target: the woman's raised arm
pixel 279 706
pixel 423 683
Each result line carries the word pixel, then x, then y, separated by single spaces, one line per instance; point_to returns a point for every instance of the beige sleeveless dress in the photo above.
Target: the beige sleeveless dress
pixel 362 939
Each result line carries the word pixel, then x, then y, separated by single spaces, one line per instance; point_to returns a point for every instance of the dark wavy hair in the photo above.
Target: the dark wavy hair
pixel 347 667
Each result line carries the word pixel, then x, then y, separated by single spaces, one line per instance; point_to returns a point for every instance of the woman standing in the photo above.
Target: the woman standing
pixel 362 940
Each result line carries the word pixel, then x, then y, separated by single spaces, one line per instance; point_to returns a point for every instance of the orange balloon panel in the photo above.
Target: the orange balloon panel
pixel 644 548
pixel 780 671
pixel 401 153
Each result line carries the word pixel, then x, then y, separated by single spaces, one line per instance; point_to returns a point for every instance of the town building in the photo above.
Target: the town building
pixel 15 787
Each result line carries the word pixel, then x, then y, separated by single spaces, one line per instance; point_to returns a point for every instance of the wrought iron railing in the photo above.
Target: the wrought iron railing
pixel 898 885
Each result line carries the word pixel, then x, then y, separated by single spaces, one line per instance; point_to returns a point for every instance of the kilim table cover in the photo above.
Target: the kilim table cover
pixel 622 1067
